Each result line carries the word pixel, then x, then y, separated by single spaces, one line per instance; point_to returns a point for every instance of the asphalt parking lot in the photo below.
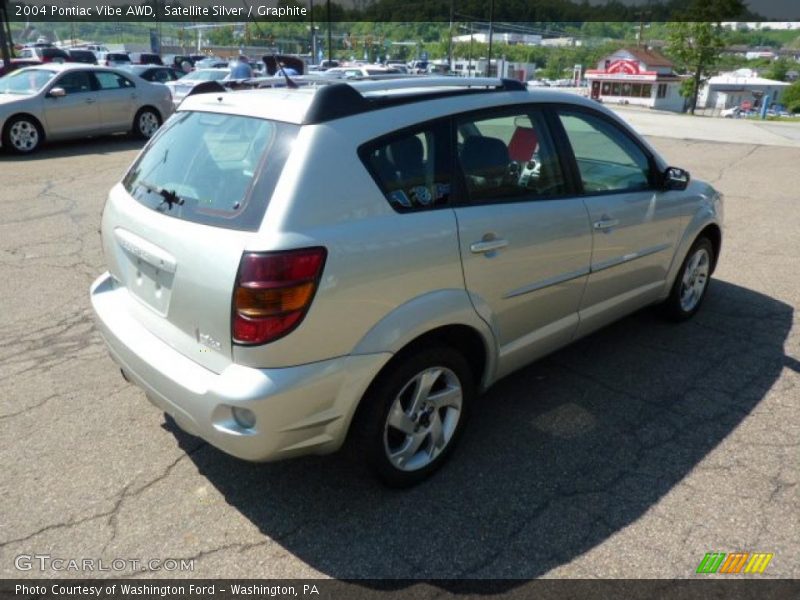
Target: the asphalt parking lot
pixel 631 453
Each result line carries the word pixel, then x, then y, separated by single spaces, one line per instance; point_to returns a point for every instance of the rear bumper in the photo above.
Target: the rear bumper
pixel 299 410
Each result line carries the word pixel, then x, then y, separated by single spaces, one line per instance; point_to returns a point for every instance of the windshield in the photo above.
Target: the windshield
pixel 25 81
pixel 205 76
pixel 201 167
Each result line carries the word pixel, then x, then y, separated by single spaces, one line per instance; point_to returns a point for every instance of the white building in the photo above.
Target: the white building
pixel 730 89
pixel 522 71
pixel 482 37
pixel 744 26
pixel 636 76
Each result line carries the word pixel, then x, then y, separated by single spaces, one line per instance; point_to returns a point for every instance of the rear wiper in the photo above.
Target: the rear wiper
pixel 170 197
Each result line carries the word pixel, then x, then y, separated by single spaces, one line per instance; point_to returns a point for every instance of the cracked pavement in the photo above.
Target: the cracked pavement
pixel 631 453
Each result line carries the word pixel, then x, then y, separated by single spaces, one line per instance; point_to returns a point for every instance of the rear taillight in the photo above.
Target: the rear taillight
pixel 273 292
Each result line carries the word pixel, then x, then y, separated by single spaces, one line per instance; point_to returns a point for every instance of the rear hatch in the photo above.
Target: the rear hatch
pixel 175 228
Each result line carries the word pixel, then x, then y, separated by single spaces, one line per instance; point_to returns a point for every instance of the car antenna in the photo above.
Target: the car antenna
pixel 278 66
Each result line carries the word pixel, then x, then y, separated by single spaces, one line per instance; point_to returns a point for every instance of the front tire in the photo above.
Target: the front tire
pixel 413 415
pixel 22 135
pixel 691 283
pixel 146 123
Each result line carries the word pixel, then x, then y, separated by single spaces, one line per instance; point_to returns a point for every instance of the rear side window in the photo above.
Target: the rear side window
pixel 112 81
pixel 508 157
pixel 412 168
pixel 212 168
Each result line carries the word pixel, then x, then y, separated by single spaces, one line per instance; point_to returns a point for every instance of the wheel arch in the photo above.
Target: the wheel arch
pixel 713 232
pixel 446 316
pixel 704 224
pixel 150 107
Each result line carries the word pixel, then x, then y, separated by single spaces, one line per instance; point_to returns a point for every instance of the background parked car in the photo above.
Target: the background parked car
pixel 181 88
pixel 179 59
pixel 358 72
pixel 44 54
pixel 155 73
pixel 211 62
pixel 17 63
pixel 113 59
pixel 82 55
pixel 145 58
pixel 74 100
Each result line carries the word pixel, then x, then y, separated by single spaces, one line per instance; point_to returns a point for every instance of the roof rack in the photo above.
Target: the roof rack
pixel 342 98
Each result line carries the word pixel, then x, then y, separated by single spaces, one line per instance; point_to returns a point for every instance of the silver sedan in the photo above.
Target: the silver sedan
pixel 76 100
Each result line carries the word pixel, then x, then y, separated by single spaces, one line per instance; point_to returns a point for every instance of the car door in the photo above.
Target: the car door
pixel 525 238
pixel 76 113
pixel 117 100
pixel 634 222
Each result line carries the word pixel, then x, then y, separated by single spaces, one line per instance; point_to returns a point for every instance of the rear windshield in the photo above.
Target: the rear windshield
pixel 212 168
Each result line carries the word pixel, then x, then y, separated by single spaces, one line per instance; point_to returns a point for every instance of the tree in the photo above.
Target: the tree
pixel 791 97
pixel 698 42
pixel 779 69
pixel 698 47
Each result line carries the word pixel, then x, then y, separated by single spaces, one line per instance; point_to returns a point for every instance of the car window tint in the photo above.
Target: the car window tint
pixel 411 168
pixel 608 160
pixel 508 157
pixel 75 82
pixel 112 81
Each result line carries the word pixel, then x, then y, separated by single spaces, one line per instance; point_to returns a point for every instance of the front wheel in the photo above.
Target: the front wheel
pixel 691 284
pixel 146 123
pixel 413 415
pixel 22 135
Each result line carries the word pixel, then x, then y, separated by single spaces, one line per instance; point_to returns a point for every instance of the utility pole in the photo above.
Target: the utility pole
pixel 330 37
pixel 4 43
pixel 491 30
pixel 313 35
pixel 450 38
pixel 469 66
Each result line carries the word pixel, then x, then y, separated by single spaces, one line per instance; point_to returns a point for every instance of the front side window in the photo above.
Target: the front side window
pixel 76 82
pixel 212 168
pixel 607 158
pixel 508 157
pixel 412 168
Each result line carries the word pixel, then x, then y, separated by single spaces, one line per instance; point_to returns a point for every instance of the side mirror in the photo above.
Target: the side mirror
pixel 675 178
pixel 57 92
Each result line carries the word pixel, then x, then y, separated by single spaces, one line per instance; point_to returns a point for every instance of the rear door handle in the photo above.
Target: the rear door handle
pixel 604 224
pixel 90 101
pixel 487 246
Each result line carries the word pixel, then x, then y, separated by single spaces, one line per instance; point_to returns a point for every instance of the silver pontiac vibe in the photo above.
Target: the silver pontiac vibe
pixel 292 269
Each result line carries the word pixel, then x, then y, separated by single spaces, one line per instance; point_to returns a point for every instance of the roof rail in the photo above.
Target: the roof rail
pixel 423 81
pixel 347 98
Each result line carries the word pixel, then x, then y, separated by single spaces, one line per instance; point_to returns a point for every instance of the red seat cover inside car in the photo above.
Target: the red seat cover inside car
pixel 523 144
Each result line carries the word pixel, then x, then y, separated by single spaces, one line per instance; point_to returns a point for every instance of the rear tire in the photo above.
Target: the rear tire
pixel 146 123
pixel 22 135
pixel 691 283
pixel 413 414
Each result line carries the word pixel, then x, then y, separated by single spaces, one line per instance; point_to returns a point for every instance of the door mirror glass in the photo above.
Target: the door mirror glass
pixel 675 178
pixel 57 92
